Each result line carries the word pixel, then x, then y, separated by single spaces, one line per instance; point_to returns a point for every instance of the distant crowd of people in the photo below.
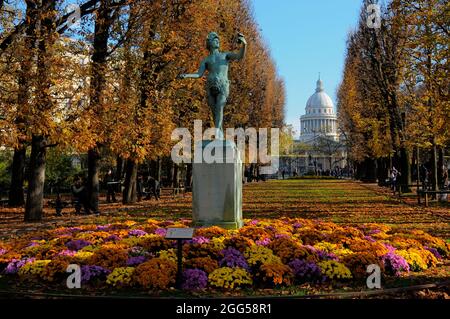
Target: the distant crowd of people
pixel 425 177
pixel 335 172
pixel 146 186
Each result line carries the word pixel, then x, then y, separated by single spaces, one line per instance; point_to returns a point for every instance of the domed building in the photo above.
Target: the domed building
pixel 320 118
pixel 319 150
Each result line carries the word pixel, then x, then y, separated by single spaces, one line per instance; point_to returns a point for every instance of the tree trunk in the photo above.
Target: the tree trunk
pixel 370 171
pixel 405 170
pixel 158 169
pixel 155 168
pixel 129 192
pixel 189 177
pixel 176 175
pixel 434 173
pixel 382 171
pixel 358 170
pixel 440 167
pixel 35 193
pixel 93 186
pixel 173 172
pixel 119 173
pixel 119 168
pixel 99 65
pixel 16 197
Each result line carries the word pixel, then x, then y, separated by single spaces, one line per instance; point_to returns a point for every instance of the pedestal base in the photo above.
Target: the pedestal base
pixel 217 186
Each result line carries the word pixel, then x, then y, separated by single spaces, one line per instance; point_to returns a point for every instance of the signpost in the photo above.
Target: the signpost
pixel 179 234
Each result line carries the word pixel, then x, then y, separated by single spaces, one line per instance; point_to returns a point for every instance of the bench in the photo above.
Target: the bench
pixel 425 193
pixel 174 190
pixel 399 187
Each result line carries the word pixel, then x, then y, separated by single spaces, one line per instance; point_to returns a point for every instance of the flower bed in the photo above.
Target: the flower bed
pixel 263 254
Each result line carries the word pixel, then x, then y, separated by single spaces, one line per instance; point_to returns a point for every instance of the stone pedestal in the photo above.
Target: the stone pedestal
pixel 217 185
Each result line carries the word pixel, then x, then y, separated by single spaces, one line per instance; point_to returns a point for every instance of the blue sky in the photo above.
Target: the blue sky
pixel 306 37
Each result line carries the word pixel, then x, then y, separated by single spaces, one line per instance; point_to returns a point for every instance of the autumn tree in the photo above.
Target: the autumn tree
pixel 380 60
pixel 426 83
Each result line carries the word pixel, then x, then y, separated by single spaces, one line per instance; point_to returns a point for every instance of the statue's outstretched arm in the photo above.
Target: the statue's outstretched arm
pixel 197 75
pixel 240 55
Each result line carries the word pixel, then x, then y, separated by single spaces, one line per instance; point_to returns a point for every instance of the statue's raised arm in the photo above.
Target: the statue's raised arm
pixel 241 54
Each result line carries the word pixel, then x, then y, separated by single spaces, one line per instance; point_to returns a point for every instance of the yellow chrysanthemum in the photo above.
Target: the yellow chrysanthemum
pixel 260 254
pixel 334 270
pixel 122 276
pixel 35 268
pixel 229 278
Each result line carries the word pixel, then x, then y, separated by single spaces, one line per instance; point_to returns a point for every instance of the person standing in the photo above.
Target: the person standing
pixel 109 181
pixel 394 176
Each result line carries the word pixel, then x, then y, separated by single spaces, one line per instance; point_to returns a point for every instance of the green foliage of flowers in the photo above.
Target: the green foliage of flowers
pixel 229 278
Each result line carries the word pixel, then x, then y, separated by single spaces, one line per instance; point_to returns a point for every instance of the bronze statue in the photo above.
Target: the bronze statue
pixel 217 84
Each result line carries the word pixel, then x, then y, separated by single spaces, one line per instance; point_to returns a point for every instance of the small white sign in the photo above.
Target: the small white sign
pixel 179 233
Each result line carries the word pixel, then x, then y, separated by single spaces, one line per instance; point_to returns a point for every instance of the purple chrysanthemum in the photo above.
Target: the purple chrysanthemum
pixel 67 252
pixel 270 228
pixel 112 238
pixel 161 232
pixel 15 264
pixel 33 244
pixel 297 225
pixel 233 258
pixel 323 255
pixel 254 222
pixel 306 271
pixel 390 248
pixel 194 279
pixel 77 244
pixel 3 251
pixel 369 238
pixel 104 227
pixel 137 232
pixel 434 251
pixel 89 272
pixel 395 264
pixel 263 242
pixel 136 260
pixel 199 240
